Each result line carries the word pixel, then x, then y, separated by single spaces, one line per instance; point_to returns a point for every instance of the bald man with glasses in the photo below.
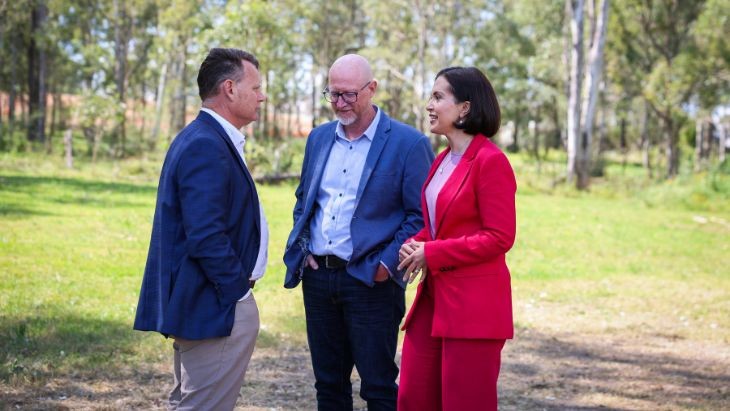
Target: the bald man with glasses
pixel 358 200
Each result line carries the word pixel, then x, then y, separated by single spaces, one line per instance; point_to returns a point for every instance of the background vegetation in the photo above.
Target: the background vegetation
pixel 617 131
pixel 648 80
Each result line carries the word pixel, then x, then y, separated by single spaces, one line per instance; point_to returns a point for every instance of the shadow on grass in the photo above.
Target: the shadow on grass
pixel 549 373
pixel 41 346
pixel 19 182
pixel 540 371
pixel 13 211
pixel 66 190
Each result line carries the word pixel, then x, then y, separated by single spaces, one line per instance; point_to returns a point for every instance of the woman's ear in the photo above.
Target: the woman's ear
pixel 466 106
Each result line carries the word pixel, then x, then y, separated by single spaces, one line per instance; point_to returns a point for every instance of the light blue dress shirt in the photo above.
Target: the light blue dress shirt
pixel 330 227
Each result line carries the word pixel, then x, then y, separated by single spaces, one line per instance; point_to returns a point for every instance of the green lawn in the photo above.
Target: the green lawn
pixel 73 246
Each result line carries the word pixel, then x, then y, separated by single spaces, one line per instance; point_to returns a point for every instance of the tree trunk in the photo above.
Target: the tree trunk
pixel 56 99
pixel 536 140
pixel 574 100
pixel 515 145
pixel 672 146
pixel 2 47
pixel 724 138
pixel 623 144
pixel 14 81
pixel 646 141
pixel 37 71
pixel 314 99
pixel 55 110
pixel 143 113
pixel 419 92
pixel 592 82
pixel 121 46
pixel 558 138
pixel 699 144
pixel 68 147
pixel 264 125
pixel 182 120
pixel 159 99
pixel 178 103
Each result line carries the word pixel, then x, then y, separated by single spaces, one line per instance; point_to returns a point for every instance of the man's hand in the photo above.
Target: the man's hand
pixel 311 262
pixel 382 274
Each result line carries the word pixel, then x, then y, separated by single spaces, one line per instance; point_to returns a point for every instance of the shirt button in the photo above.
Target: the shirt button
pixel 340 194
pixel 333 217
pixel 344 171
pixel 329 242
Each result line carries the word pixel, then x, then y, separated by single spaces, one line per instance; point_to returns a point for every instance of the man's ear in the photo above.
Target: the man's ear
pixel 226 88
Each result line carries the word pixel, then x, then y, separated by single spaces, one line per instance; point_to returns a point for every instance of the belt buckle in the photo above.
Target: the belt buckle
pixel 327 262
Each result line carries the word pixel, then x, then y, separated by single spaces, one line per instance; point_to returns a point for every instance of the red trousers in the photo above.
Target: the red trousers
pixel 446 374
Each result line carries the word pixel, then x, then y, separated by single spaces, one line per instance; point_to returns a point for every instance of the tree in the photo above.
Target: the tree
pixel 37 73
pixel 658 37
pixel 584 87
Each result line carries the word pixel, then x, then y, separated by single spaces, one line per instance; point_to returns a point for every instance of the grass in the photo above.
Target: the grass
pixel 643 261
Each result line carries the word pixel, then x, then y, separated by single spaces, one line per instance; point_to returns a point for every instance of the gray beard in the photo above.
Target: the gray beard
pixel 346 121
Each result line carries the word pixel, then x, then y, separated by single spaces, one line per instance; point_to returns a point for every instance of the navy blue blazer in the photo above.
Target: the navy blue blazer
pixel 205 237
pixel 388 199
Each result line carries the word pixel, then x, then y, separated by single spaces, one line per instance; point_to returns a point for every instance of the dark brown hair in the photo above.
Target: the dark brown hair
pixel 219 65
pixel 470 84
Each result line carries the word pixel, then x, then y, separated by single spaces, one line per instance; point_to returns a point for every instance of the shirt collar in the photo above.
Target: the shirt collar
pixel 237 138
pixel 369 132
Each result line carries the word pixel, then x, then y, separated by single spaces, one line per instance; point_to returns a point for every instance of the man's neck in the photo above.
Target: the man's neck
pixel 222 111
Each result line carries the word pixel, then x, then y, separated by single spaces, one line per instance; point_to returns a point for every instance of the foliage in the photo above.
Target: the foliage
pixel 667 65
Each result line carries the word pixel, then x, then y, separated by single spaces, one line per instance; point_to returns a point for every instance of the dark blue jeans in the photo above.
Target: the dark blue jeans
pixel 349 323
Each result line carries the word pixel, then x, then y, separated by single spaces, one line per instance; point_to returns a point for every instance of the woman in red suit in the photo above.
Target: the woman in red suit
pixel 462 313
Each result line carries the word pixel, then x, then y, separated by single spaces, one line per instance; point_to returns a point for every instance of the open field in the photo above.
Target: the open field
pixel 622 298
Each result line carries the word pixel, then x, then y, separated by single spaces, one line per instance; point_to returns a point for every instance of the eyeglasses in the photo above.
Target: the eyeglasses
pixel 347 96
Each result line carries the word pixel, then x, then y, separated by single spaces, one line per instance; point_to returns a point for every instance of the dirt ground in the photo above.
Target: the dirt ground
pixel 540 372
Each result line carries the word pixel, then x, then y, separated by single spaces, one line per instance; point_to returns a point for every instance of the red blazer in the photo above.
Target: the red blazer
pixel 475 227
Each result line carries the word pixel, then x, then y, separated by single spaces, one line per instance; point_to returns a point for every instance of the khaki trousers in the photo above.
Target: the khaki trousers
pixel 209 373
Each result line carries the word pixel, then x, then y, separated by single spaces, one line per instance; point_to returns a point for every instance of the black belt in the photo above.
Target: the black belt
pixel 332 262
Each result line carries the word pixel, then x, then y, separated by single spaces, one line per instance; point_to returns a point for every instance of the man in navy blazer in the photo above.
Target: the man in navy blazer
pixel 207 241
pixel 357 201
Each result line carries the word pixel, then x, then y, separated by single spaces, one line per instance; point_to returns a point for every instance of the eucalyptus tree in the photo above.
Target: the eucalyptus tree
pixel 583 93
pixel 519 44
pixel 174 56
pixel 658 42
pixel 408 42
pixel 268 29
pixel 711 64
pixel 14 37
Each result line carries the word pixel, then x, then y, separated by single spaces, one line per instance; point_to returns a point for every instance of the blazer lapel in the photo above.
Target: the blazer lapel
pixel 212 122
pixel 376 147
pixel 323 152
pixel 424 203
pixel 456 181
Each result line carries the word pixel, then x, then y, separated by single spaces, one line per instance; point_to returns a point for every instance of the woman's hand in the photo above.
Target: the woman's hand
pixel 412 257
